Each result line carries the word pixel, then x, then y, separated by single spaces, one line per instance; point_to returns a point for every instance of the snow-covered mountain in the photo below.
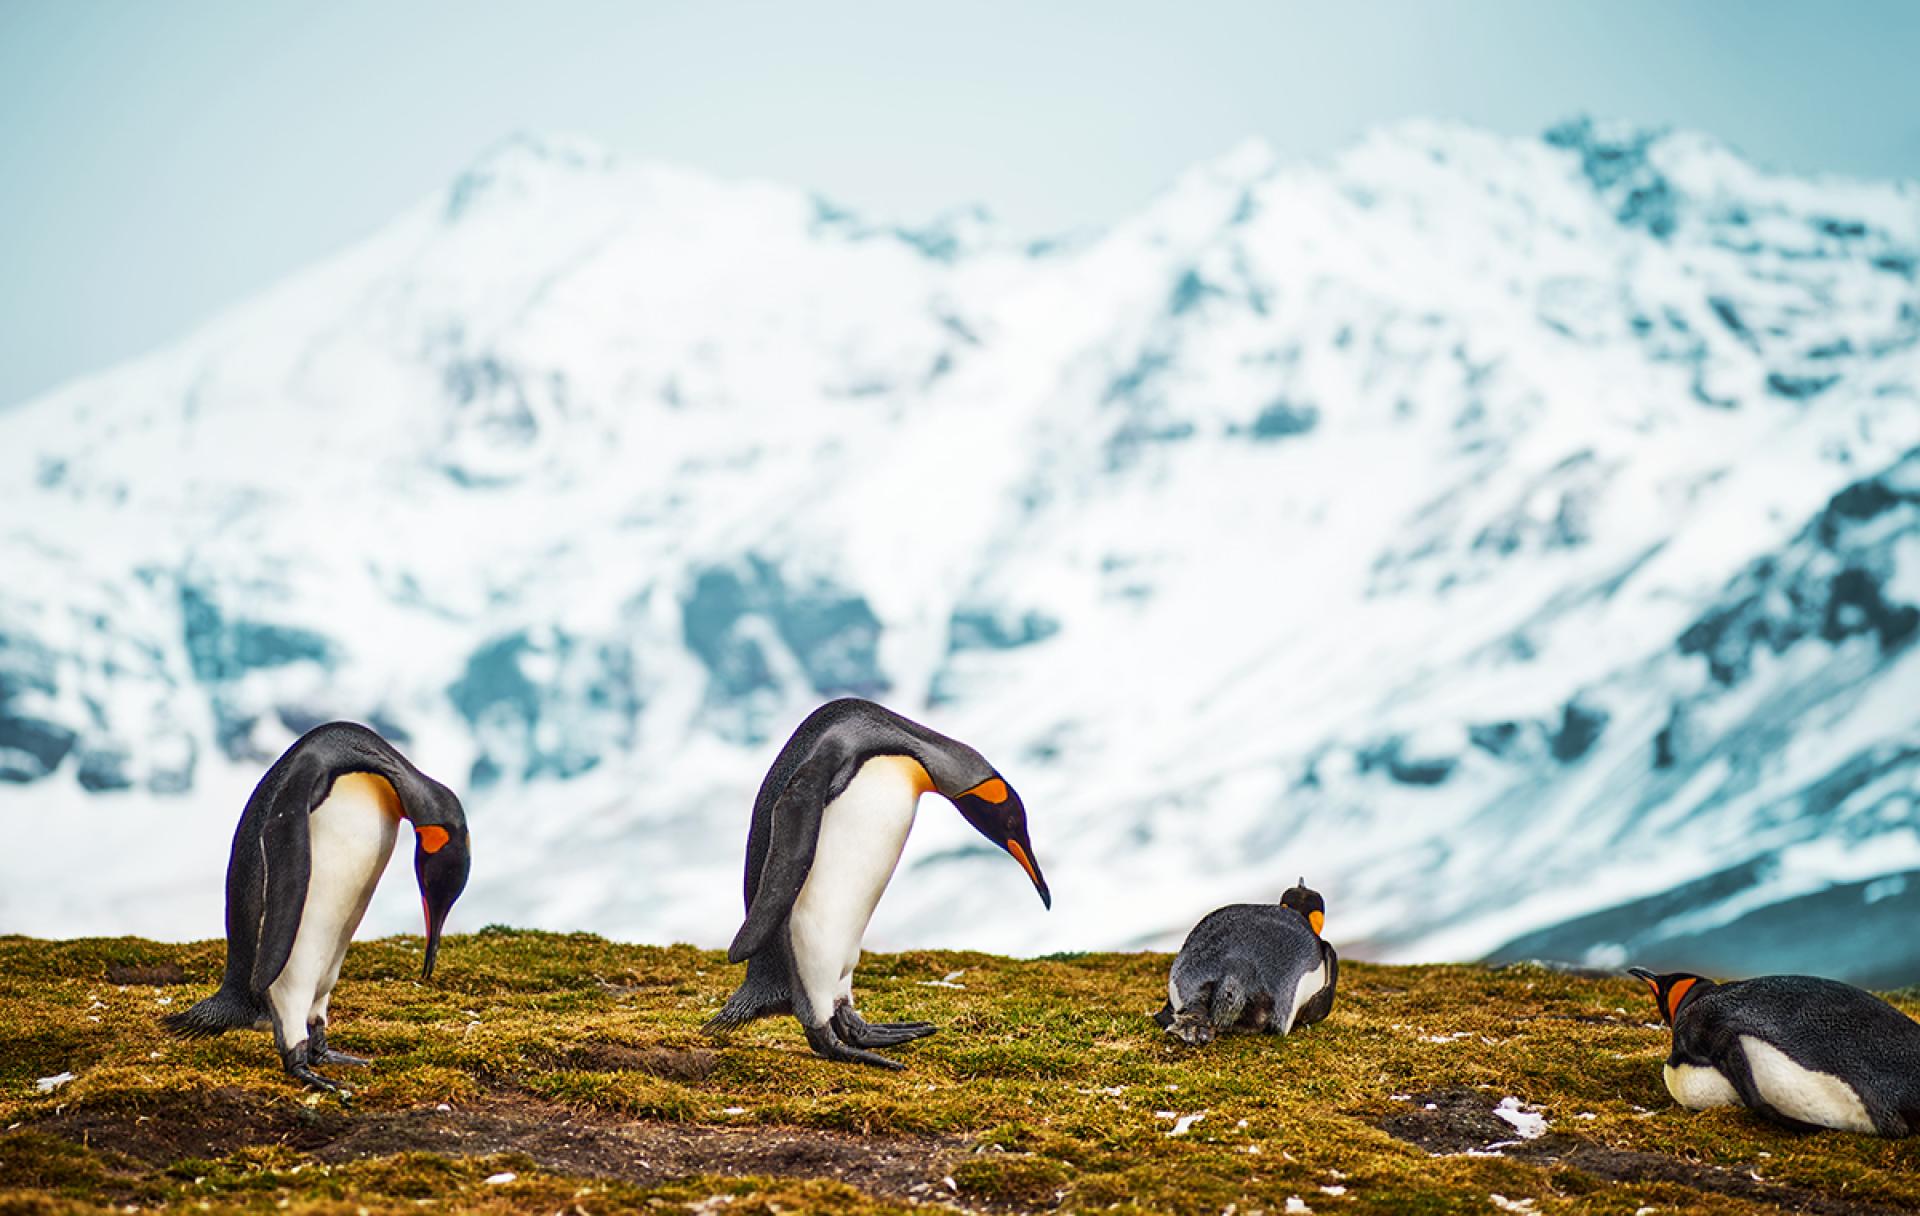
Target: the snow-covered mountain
pixel 1518 538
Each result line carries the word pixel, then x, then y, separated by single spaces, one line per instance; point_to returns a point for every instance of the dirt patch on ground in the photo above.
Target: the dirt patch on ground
pixel 1450 1121
pixel 1462 1121
pixel 156 974
pixel 566 1141
pixel 692 1064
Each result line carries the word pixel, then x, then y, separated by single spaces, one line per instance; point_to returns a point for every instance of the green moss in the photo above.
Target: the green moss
pixel 1047 1086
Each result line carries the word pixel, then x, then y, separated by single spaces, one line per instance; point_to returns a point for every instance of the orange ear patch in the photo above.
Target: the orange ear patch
pixel 432 838
pixel 991 790
pixel 1674 994
pixel 1316 919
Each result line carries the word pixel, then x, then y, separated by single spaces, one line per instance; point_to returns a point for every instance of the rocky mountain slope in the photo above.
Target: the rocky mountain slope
pixel 1519 538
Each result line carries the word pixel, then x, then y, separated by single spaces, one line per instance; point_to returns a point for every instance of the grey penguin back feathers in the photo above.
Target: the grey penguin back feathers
pixel 1253 967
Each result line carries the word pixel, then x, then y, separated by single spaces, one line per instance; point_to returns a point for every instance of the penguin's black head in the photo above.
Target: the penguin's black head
pixel 1307 902
pixel 995 812
pixel 1670 990
pixel 440 864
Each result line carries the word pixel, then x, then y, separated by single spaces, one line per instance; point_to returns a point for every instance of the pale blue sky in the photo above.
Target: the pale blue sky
pixel 160 161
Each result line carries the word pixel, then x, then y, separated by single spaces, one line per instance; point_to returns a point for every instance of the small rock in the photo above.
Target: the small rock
pixel 47 1085
pixel 501 1179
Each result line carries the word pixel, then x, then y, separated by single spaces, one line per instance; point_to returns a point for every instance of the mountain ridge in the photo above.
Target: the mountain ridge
pixel 1352 518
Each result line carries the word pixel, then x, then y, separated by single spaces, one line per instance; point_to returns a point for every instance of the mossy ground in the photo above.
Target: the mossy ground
pixel 577 1065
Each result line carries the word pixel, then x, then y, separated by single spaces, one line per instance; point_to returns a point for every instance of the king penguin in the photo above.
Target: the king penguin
pixel 312 843
pixel 1804 1052
pixel 829 823
pixel 1253 967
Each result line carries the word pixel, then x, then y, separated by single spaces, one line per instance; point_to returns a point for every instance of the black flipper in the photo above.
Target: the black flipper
pixel 1164 1018
pixel 286 865
pixel 795 833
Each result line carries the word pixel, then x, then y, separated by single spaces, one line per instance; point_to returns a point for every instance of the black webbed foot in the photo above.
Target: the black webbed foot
pixel 828 1045
pixel 298 1062
pixel 854 1029
pixel 319 1053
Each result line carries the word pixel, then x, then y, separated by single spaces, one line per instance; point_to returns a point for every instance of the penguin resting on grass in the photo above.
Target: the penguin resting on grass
pixel 1252 967
pixel 829 823
pixel 312 843
pixel 1806 1053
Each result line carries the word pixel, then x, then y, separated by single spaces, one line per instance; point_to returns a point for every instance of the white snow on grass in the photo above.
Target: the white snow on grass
pixel 1530 1124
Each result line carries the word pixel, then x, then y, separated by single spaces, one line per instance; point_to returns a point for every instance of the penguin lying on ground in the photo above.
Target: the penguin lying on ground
pixel 1254 967
pixel 312 842
pixel 1807 1053
pixel 829 823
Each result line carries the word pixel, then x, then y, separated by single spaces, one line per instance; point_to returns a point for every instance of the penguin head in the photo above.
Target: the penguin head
pixel 1670 990
pixel 440 862
pixel 995 812
pixel 1307 902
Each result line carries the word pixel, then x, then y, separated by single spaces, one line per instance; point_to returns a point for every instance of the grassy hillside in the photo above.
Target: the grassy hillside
pixel 575 1066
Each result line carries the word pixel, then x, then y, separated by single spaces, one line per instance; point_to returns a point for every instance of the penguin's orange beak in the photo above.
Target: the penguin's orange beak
pixel 1018 851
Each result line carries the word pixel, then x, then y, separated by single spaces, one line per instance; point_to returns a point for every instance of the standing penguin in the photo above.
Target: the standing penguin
pixel 829 823
pixel 1255 967
pixel 312 842
pixel 1804 1052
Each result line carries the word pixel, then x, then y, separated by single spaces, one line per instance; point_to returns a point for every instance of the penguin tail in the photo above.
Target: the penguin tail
pixel 764 994
pixel 745 1005
pixel 223 1011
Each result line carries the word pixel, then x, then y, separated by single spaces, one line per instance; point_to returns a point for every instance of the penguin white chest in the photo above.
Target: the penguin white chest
pixel 1801 1093
pixel 861 835
pixel 1700 1087
pixel 351 835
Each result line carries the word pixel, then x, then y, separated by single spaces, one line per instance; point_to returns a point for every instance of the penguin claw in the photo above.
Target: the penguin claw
pixel 882 1035
pixel 857 1031
pixel 314 1080
pixel 331 1056
pixel 827 1045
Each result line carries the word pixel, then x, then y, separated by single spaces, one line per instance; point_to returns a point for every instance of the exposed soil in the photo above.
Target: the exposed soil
pixel 156 974
pixel 1462 1120
pixel 692 1064
pixel 215 1124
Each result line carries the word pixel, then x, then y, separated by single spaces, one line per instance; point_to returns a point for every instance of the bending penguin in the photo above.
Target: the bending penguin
pixel 829 823
pixel 1804 1052
pixel 1253 967
pixel 312 843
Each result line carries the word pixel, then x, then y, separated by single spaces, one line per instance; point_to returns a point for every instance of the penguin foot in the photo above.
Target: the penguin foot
pixel 852 1028
pixel 890 1034
pixel 1192 1028
pixel 298 1063
pixel 828 1045
pixel 319 1053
